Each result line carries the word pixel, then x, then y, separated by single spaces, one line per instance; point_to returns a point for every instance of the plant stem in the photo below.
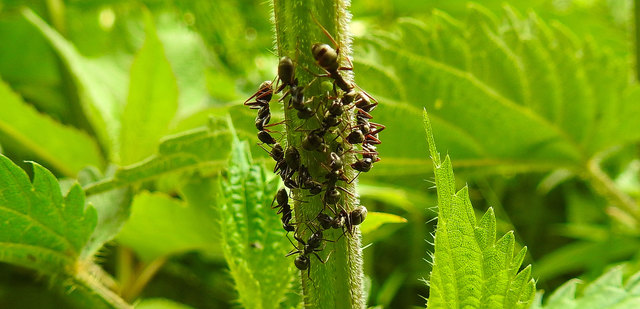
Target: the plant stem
pixel 636 21
pixel 87 279
pixel 605 186
pixel 339 282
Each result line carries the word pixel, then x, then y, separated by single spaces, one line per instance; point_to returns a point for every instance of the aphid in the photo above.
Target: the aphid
pixel 292 157
pixel 315 140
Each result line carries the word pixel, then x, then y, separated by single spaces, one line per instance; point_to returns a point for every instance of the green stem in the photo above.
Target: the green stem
pixel 607 188
pixel 339 282
pixel 144 277
pixel 92 281
pixel 636 11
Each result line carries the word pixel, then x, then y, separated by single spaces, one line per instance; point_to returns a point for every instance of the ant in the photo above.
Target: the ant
pixel 315 140
pixel 282 200
pixel 336 172
pixel 311 246
pixel 262 98
pixel 327 58
pixel 286 73
pixel 343 220
pixel 307 182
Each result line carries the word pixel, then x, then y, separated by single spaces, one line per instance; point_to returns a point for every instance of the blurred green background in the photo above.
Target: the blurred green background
pixel 221 50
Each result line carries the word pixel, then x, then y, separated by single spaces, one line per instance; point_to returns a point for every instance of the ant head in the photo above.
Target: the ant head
pixel 265 86
pixel 326 56
pixel 302 262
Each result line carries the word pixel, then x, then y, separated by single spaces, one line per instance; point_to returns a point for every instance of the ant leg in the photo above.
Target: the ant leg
pixel 325 32
pixel 320 259
pixel 293 252
pixel 379 129
pixel 345 191
pixel 261 93
pixel 354 178
pixel 275 124
pixel 372 139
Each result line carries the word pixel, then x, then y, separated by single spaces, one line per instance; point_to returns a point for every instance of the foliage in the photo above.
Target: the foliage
pixel 470 267
pixel 131 109
pixel 516 79
pixel 41 228
pixel 252 238
pixel 605 292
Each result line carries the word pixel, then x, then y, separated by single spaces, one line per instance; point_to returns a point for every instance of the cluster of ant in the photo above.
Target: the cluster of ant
pixel 289 167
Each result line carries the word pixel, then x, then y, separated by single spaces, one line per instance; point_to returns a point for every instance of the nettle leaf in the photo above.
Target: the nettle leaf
pixel 204 149
pixel 254 243
pixel 547 100
pixel 40 228
pixel 160 225
pixel 64 148
pixel 608 291
pixel 160 303
pixel 100 104
pixel 152 101
pixel 471 269
pixel 113 208
pixel 380 225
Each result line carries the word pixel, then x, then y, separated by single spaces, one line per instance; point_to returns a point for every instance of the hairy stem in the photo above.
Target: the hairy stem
pixel 636 11
pixel 606 187
pixel 339 282
pixel 94 281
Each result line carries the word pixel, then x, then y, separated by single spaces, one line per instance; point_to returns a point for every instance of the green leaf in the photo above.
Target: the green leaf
pixel 113 208
pixel 160 303
pixel 99 104
pixel 160 225
pixel 65 148
pixel 152 101
pixel 470 267
pixel 254 243
pixel 202 149
pixel 585 255
pixel 376 219
pixel 510 94
pixel 40 228
pixel 608 291
pixel 380 226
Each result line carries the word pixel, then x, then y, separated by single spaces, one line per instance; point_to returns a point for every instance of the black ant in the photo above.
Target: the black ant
pixel 311 246
pixel 286 73
pixel 315 140
pixel 282 200
pixel 327 58
pixel 292 157
pixel 307 182
pixel 345 221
